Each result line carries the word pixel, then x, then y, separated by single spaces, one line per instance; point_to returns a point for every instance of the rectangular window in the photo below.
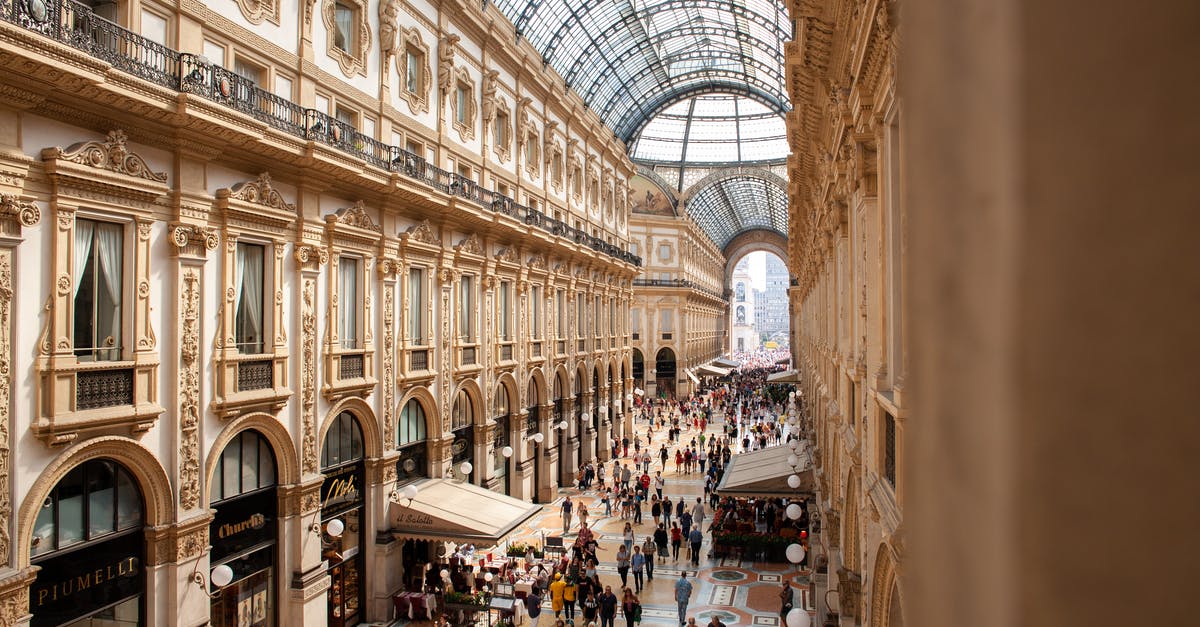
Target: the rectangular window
pixel 248 303
pixel 535 315
pixel 505 316
pixel 597 310
pixel 99 267
pixel 416 306
pixel 460 113
pixel 666 321
pixel 889 449
pixel 635 320
pixel 466 308
pixel 581 314
pixel 412 73
pixel 348 302
pixel 154 27
pixel 560 302
pixel 343 20
pixel 612 316
pixel 501 129
pixel 346 116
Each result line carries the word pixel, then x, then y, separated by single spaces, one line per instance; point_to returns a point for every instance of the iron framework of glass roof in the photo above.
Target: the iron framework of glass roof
pixel 630 59
pixel 713 129
pixel 738 204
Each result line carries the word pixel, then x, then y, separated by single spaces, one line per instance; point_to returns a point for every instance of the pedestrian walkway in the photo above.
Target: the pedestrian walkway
pixel 741 593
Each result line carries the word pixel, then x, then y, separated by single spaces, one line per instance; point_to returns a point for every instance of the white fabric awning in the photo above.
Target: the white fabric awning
pixel 456 511
pixel 713 370
pixel 765 473
pixel 726 363
pixel 692 376
pixel 787 376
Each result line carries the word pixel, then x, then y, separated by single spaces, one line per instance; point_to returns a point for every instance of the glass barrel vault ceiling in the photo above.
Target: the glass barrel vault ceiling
pixel 738 204
pixel 713 129
pixel 629 59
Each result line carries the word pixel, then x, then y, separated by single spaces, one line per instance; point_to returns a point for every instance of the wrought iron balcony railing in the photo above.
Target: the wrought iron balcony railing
pixel 76 25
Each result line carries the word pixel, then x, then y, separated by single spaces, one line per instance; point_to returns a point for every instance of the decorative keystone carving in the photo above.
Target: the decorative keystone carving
pixel 111 154
pixel 260 191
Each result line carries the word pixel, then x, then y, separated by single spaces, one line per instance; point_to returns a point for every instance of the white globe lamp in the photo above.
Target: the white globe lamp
pixel 221 576
pixel 410 492
pixel 795 553
pixel 798 618
pixel 465 468
pixel 335 528
pixel 793 483
pixel 506 451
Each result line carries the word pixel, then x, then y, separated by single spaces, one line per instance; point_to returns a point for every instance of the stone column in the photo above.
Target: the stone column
pixel 1053 311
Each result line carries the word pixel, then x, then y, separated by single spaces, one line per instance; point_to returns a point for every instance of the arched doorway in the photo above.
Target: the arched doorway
pixel 639 370
pixel 565 472
pixel 532 424
pixel 89 544
pixel 412 443
pixel 664 369
pixel 343 543
pixel 462 429
pixel 244 531
pixel 501 415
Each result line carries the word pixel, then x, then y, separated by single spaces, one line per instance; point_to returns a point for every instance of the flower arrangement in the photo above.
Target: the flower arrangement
pixel 478 599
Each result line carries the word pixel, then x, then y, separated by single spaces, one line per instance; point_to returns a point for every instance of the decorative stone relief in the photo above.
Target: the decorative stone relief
pixel 6 295
pixel 389 355
pixel 389 16
pixel 356 215
pixel 111 154
pixel 508 255
pixel 189 390
pixel 25 212
pixel 470 244
pixel 446 63
pixel 260 191
pixel 308 373
pixel 256 11
pixel 423 233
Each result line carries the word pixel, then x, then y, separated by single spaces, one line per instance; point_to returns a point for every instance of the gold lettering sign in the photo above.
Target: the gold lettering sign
pixel 255 521
pixel 53 592
pixel 340 490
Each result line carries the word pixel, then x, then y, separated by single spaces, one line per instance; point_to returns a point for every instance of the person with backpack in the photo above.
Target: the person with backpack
pixel 661 540
pixel 607 603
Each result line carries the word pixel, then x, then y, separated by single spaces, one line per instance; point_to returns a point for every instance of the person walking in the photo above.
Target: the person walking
pixel 655 510
pixel 680 505
pixel 566 514
pixel 638 564
pixel 533 606
pixel 626 474
pixel 659 483
pixel 600 475
pixel 631 608
pixel 583 514
pixel 661 539
pixel 666 510
pixel 590 607
pixel 606 499
pixel 556 594
pixel 683 594
pixel 627 538
pixel 676 541
pixel 649 548
pixel 786 599
pixel 623 565
pixel 569 594
pixel 607 605
pixel 696 538
pixel 663 455
pixel 699 514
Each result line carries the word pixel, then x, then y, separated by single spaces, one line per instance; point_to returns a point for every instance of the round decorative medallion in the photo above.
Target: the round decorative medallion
pixel 727 575
pixel 410 465
pixel 36 10
pixel 224 87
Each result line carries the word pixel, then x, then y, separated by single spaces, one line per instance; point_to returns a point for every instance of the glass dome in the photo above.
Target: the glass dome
pixel 713 128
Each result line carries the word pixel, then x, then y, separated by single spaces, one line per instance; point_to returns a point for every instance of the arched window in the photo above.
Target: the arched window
pixel 411 429
pixel 96 499
pixel 532 413
pixel 500 409
pixel 462 413
pixel 246 465
pixel 343 442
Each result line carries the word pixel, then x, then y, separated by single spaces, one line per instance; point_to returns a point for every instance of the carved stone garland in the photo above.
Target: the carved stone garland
pixel 386 267
pixel 189 390
pixel 5 395
pixel 308 372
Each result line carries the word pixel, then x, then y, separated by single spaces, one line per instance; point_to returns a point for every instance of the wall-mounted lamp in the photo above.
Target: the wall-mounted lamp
pixel 220 576
pixel 564 424
pixel 409 492
pixel 334 528
pixel 506 452
pixel 537 438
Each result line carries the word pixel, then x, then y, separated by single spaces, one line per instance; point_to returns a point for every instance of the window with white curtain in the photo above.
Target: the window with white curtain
pixel 99 263
pixel 466 308
pixel 248 295
pixel 348 301
pixel 560 302
pixel 580 314
pixel 535 316
pixel 504 300
pixel 416 306
pixel 666 321
pixel 343 19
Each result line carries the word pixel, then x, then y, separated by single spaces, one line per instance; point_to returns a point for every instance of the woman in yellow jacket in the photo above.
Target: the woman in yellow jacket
pixel 556 594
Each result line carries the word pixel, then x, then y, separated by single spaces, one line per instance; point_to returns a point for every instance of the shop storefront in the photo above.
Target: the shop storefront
pixel 244 533
pixel 342 518
pixel 413 462
pixel 500 440
pixel 89 546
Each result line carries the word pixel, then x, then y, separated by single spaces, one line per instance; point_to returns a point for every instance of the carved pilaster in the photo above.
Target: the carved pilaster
pixel 388 269
pixel 308 371
pixel 189 388
pixel 6 254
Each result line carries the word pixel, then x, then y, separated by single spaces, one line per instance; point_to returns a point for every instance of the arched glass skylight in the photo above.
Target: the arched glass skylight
pixel 713 129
